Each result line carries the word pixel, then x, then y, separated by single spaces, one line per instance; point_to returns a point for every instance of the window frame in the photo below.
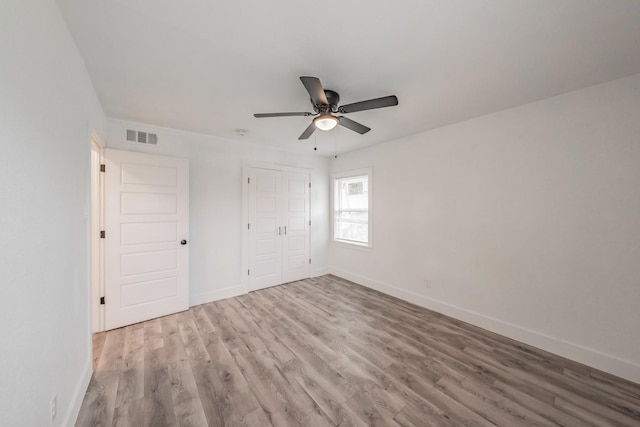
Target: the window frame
pixel 335 177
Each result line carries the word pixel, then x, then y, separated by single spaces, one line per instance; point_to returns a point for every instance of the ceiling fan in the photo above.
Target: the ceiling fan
pixel 325 106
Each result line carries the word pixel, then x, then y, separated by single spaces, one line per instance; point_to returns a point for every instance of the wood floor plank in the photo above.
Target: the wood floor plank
pixel 372 412
pixel 631 403
pixel 158 401
pixel 618 408
pixel 131 384
pixel 330 403
pixel 217 406
pixel 193 344
pixel 202 320
pixel 237 391
pixel 271 342
pixel 631 389
pixel 129 414
pixel 112 353
pixel 410 416
pixel 239 327
pixel 587 417
pixel 341 339
pixel 98 345
pixel 576 393
pixel 276 395
pixel 153 338
pixel 98 405
pixel 327 352
pixel 255 418
pixel 174 347
pixel 505 404
pixel 457 411
pixel 546 410
pixel 187 407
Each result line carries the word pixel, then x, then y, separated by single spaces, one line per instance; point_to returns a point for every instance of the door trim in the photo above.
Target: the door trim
pixel 96 223
pixel 244 281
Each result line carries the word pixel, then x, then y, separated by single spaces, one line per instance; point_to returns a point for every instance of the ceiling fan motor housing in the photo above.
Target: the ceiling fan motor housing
pixel 334 100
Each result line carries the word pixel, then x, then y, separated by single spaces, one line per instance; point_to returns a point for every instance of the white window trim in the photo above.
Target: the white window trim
pixel 346 243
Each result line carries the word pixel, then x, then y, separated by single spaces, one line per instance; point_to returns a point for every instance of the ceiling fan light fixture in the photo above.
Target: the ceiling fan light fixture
pixel 325 122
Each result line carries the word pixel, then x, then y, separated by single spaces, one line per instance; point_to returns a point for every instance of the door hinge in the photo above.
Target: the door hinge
pixel 248 272
pixel 103 168
pixel 101 300
pixel 309 185
pixel 248 180
pixel 309 223
pixel 248 226
pixel 309 260
pixel 102 234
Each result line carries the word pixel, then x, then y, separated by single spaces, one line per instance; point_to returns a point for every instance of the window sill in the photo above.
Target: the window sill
pixel 357 246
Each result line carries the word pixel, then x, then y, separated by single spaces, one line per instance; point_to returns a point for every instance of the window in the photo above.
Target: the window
pixel 351 201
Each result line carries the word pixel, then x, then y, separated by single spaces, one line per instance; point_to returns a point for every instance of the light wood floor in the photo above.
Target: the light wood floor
pixel 327 352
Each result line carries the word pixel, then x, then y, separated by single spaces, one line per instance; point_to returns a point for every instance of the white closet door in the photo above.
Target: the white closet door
pixel 295 248
pixel 278 227
pixel 265 228
pixel 147 231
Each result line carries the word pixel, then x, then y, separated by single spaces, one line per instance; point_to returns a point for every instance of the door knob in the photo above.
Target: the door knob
pixel 183 242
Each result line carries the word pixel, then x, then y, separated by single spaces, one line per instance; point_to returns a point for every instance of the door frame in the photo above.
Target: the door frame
pixel 96 223
pixel 244 281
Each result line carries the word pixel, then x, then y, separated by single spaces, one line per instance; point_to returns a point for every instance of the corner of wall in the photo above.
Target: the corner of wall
pixel 320 272
pixel 205 297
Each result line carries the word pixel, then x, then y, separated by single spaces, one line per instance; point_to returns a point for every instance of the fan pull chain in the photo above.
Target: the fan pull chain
pixel 315 141
pixel 335 134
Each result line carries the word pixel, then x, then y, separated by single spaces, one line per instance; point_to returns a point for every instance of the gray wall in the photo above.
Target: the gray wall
pixel 47 110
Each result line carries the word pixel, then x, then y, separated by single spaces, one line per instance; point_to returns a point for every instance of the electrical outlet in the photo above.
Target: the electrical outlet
pixel 427 283
pixel 54 407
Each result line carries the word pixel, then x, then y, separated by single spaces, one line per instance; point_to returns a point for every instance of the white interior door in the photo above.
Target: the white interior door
pixel 295 245
pixel 278 227
pixel 146 236
pixel 265 228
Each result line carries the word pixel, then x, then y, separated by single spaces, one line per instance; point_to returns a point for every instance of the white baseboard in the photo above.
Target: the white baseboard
pixel 78 396
pixel 605 362
pixel 206 297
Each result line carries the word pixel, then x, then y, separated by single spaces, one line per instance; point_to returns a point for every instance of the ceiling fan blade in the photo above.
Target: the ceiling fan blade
pixel 354 126
pixel 314 87
pixel 308 131
pixel 260 115
pixel 385 101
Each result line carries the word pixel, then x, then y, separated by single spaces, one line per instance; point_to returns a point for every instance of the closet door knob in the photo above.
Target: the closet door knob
pixel 183 242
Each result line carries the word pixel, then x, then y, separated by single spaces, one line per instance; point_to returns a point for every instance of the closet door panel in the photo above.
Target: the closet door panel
pixel 265 236
pixel 295 262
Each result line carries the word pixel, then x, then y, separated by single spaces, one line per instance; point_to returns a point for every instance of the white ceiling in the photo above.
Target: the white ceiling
pixel 208 65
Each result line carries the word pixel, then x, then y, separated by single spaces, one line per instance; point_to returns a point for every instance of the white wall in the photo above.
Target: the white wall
pixel 47 109
pixel 527 222
pixel 216 227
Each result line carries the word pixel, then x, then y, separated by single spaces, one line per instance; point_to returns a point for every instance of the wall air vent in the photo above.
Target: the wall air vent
pixel 142 137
